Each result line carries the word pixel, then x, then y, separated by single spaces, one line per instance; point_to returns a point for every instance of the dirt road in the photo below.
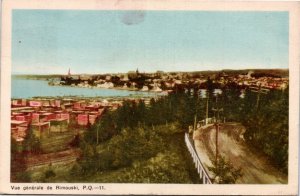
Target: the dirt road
pixel 256 168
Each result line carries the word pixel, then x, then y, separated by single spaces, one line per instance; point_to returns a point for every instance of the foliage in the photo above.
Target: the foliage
pixel 265 117
pixel 14 146
pixel 120 151
pixel 49 173
pixel 163 168
pixel 103 130
pixel 31 143
pixel 135 131
pixel 132 115
pixel 164 161
pixel 267 127
pixel 224 171
pixel 168 129
pixel 75 171
pixel 75 141
pixel 23 176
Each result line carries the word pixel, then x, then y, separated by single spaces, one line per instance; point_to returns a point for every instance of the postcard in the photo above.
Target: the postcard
pixel 149 97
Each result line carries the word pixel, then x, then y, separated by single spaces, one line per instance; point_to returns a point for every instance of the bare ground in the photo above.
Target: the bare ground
pixel 256 168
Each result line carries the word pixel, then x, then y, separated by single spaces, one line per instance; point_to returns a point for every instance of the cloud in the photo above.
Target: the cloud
pixel 133 17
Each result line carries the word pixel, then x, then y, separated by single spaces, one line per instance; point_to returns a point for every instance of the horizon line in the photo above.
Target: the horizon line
pixel 208 70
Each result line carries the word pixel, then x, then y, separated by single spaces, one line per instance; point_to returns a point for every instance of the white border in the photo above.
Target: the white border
pixel 172 189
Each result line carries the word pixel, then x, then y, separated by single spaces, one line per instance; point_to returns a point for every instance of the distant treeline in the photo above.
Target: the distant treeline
pixel 208 73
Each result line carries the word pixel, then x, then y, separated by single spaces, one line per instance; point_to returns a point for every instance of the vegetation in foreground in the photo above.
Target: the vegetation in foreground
pixel 161 159
pixel 127 133
pixel 224 171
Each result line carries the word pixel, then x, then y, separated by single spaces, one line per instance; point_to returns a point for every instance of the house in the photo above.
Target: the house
pixel 92 118
pixel 82 119
pixel 145 88
pixel 19 102
pixel 35 103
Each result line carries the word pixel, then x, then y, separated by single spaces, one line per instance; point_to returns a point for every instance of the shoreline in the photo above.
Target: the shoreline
pixel 132 93
pixel 130 96
pixel 112 88
pixel 95 87
pixel 88 97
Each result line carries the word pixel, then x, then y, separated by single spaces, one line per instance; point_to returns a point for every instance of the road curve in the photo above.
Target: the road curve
pixel 256 168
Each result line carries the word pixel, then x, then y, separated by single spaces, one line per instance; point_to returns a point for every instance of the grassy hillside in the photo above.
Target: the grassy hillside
pixel 172 164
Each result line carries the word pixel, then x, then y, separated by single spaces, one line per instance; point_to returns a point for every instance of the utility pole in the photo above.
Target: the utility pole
pixel 195 122
pixel 258 90
pixel 97 134
pixel 217 124
pixel 206 117
pixel 195 118
pixel 97 137
pixel 218 110
pixel 217 153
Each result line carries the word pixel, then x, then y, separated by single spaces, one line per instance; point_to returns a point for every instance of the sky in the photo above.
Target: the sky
pixel 93 41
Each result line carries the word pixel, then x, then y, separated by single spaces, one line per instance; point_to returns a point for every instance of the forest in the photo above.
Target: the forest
pixel 135 130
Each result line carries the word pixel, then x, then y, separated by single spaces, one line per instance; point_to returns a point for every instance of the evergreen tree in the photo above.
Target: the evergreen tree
pixel 224 172
pixel 31 143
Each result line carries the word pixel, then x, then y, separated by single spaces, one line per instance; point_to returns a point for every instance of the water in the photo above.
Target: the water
pixel 22 88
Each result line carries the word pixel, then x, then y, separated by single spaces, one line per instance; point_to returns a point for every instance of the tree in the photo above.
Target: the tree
pixel 31 143
pixel 49 172
pixel 224 171
pixel 141 112
pixel 102 130
pixel 23 177
pixel 267 126
pixel 75 141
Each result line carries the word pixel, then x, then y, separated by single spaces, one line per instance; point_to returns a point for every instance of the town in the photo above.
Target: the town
pixel 167 81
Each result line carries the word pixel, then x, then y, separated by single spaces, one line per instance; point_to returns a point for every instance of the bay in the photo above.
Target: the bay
pixel 26 88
